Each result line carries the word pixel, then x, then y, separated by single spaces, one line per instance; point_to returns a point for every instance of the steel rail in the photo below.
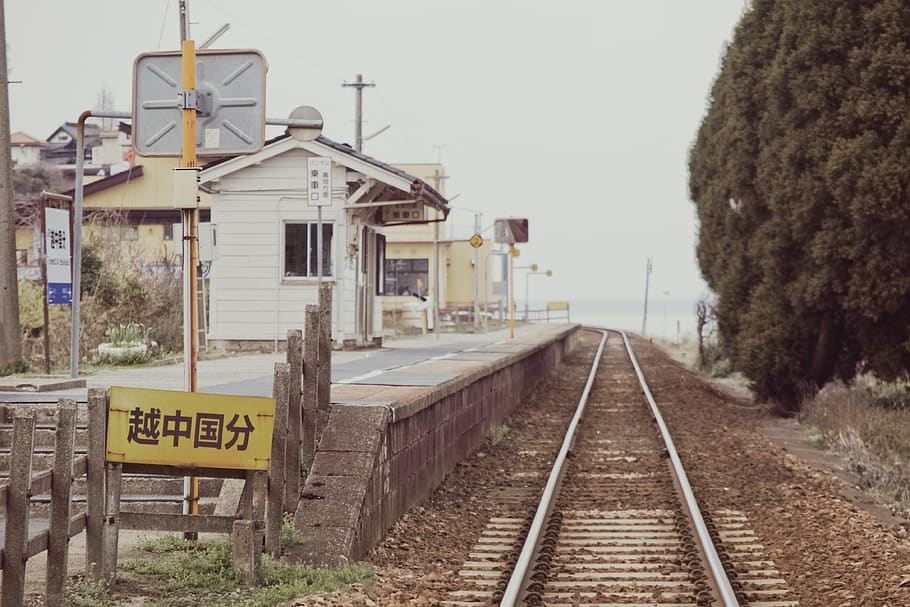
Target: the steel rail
pixel 522 567
pixel 715 568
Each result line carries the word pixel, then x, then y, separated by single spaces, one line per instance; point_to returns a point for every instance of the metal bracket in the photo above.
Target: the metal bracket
pixel 195 99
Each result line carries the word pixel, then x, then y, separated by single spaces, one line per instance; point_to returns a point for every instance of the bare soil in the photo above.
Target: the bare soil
pixel 831 553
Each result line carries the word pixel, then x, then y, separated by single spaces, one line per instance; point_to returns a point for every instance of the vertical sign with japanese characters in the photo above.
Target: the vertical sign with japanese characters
pixel 319 181
pixel 189 429
pixel 57 256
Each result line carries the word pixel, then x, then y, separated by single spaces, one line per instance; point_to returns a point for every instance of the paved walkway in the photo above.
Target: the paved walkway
pixel 251 374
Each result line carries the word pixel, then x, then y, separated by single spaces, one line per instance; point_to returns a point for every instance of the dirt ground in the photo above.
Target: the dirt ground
pixel 834 547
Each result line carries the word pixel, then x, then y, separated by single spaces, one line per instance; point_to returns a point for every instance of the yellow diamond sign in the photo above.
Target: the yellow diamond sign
pixel 476 241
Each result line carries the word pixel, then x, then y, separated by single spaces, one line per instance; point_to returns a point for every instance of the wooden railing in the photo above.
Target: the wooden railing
pixel 302 391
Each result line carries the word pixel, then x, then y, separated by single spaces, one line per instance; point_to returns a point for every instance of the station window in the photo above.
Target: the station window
pixel 300 253
pixel 407 277
pixel 169 231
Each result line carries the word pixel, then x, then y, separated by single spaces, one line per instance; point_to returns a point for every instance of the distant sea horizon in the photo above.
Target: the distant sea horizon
pixel 668 318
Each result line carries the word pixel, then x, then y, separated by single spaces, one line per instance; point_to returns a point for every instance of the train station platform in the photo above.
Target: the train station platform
pixel 401 418
pixel 399 362
pixel 392 435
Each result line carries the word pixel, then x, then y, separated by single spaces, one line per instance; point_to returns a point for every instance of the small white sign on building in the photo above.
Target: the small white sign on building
pixel 57 256
pixel 319 182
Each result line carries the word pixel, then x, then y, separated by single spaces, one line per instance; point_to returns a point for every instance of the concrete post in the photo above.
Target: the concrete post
pixel 277 471
pixel 293 476
pixel 310 386
pixel 17 507
pixel 94 508
pixel 246 550
pixel 324 383
pixel 61 497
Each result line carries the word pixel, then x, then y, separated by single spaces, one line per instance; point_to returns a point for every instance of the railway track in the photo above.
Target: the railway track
pixel 617 523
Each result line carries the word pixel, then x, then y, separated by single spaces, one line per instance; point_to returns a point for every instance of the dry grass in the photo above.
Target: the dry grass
pixel 120 285
pixel 873 439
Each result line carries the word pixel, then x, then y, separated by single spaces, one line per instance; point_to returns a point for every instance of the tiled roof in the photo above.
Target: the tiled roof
pixel 20 138
pixel 419 188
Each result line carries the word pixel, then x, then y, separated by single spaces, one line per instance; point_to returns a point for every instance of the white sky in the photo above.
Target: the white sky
pixel 577 114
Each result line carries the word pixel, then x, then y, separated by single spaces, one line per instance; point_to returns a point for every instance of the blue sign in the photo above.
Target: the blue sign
pixel 59 293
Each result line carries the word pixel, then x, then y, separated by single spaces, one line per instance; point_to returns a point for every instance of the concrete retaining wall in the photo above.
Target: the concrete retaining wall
pixel 385 449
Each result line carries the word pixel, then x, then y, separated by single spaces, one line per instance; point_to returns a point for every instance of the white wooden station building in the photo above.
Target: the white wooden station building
pixel 264 269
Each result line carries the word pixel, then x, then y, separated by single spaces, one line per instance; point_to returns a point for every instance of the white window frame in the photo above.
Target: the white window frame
pixel 328 245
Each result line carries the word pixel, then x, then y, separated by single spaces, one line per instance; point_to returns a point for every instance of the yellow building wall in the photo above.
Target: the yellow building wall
pixel 460 286
pixel 153 190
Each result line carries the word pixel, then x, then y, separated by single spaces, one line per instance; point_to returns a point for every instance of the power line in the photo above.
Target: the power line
pixel 167 8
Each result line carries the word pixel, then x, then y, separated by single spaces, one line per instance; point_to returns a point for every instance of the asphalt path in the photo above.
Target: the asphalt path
pixel 251 375
pixel 374 367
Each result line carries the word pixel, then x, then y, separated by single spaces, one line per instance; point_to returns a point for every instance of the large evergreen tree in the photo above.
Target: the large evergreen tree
pixel 800 176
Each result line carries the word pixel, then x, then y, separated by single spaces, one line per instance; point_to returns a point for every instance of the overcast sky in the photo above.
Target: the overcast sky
pixel 577 114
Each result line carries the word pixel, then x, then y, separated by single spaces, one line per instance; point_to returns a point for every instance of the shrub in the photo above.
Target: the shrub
pixel 892 395
pixel 129 334
pixel 120 286
pixel 871 438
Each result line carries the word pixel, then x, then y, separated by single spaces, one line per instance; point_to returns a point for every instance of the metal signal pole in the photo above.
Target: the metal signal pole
pixel 190 221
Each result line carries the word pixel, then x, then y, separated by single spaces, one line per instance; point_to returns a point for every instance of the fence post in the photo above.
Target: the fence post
pixel 247 535
pixel 94 507
pixel 324 384
pixel 274 508
pixel 17 506
pixel 246 550
pixel 310 383
pixel 110 528
pixel 61 497
pixel 292 477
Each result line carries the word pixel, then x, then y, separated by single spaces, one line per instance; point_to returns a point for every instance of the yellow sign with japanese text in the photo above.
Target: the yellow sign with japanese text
pixel 189 429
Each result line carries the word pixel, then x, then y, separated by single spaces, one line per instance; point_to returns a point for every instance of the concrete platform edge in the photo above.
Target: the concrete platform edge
pixel 411 444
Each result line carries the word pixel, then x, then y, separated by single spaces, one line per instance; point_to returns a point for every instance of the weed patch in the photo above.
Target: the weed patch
pixel 82 591
pixel 497 433
pixel 180 573
pixel 290 534
pixel 866 424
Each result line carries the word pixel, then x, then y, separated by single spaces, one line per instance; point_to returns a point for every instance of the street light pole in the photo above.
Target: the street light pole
pixel 476 275
pixel 644 319
pixel 528 276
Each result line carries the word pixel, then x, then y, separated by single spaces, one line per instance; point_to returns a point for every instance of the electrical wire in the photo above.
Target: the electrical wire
pixel 167 9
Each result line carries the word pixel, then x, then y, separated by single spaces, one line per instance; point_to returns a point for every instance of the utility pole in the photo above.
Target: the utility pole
pixel 476 275
pixel 10 332
pixel 184 21
pixel 358 85
pixel 644 319
pixel 438 176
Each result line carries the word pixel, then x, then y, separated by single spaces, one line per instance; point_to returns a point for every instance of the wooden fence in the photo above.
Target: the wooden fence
pixel 301 389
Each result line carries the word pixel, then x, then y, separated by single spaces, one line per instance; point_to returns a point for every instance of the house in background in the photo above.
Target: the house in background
pixel 411 269
pixel 26 150
pixel 134 199
pixel 264 270
pixel 139 203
